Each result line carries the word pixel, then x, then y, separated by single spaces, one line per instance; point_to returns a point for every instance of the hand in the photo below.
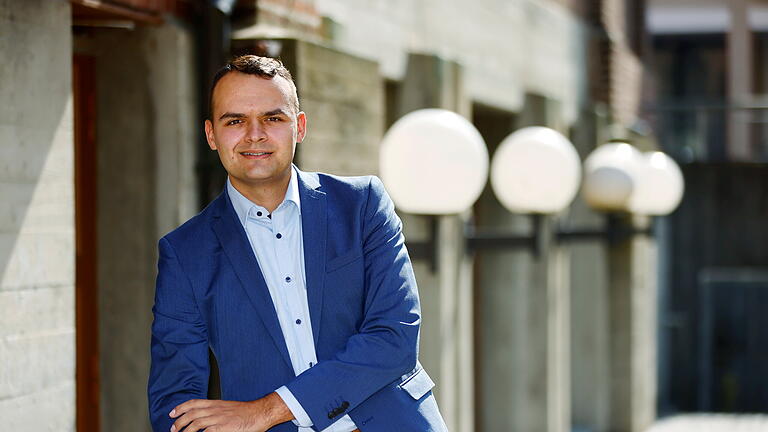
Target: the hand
pixel 230 416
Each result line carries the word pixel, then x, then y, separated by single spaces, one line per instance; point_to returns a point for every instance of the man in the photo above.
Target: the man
pixel 298 282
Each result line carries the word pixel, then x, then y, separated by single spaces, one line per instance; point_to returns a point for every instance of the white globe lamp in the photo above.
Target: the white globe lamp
pixel 660 185
pixel 535 170
pixel 611 175
pixel 433 161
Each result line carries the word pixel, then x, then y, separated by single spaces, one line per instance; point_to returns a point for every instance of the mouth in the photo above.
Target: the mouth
pixel 256 154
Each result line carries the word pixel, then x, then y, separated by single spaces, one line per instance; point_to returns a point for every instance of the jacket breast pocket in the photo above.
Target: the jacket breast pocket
pixel 418 384
pixel 343 260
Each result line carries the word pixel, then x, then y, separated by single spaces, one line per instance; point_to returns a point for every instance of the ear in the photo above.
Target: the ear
pixel 301 126
pixel 209 135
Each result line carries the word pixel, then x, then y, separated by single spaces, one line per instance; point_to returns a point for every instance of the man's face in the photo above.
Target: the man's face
pixel 254 128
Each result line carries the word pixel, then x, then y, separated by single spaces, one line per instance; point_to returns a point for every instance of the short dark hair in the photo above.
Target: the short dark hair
pixel 264 67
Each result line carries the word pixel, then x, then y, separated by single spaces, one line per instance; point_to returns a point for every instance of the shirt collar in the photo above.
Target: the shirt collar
pixel 243 205
pixel 292 194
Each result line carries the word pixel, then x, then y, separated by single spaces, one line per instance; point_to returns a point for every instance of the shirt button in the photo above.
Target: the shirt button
pixel 258 213
pixel 298 321
pixel 311 364
pixel 288 279
pixel 279 236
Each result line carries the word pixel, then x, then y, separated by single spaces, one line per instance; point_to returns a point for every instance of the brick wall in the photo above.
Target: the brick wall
pixel 621 66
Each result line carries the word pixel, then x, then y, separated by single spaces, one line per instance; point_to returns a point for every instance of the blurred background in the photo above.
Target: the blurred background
pixel 101 114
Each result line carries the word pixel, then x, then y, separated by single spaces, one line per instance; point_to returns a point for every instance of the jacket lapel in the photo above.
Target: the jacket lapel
pixel 314 223
pixel 233 240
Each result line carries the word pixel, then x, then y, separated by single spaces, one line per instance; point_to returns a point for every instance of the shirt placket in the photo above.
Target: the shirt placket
pixel 299 290
pixel 287 281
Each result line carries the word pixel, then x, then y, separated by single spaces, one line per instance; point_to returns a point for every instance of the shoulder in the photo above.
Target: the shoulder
pixel 363 194
pixel 333 181
pixel 197 227
pixel 345 186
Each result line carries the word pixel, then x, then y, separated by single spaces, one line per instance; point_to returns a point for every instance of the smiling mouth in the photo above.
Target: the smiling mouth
pixel 255 154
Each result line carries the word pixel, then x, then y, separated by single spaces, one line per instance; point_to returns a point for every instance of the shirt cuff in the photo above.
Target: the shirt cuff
pixel 302 419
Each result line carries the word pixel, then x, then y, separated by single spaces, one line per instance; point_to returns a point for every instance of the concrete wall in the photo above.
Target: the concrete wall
pixel 37 244
pixel 507 48
pixel 146 145
pixel 343 96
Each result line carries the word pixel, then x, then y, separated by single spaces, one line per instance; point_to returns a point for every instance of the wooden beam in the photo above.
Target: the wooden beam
pixel 99 9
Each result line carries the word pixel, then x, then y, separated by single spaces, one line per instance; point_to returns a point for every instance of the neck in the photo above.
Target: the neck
pixel 268 195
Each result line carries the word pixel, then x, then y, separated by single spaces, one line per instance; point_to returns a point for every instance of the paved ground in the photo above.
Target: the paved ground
pixel 712 423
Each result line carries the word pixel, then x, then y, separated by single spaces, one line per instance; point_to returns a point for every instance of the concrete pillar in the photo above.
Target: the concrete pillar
pixel 740 77
pixel 547 379
pixel 447 308
pixel 169 53
pixel 500 290
pixel 456 396
pixel 632 337
pixel 503 285
pixel 37 226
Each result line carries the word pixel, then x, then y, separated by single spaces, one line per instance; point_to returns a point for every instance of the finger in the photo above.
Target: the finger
pixel 186 406
pixel 200 424
pixel 188 418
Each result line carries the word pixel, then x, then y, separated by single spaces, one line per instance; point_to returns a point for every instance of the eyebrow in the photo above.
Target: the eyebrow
pixel 241 115
pixel 274 112
pixel 231 115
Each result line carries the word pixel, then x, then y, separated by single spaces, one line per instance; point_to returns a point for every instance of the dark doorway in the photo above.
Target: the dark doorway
pixel 734 343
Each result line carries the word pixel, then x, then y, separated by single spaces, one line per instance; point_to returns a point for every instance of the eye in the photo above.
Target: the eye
pixel 274 119
pixel 234 122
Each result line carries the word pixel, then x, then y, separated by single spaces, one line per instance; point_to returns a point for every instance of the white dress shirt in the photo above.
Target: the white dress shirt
pixel 277 243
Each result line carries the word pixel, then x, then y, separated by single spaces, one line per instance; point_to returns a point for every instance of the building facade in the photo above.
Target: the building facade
pixel 103 153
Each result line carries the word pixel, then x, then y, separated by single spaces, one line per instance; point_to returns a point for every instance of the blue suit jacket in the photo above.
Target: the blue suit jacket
pixel 363 306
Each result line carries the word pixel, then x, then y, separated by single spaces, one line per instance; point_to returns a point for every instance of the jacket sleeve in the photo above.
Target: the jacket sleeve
pixel 386 346
pixel 179 348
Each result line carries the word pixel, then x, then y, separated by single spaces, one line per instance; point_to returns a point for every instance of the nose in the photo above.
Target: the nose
pixel 255 132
